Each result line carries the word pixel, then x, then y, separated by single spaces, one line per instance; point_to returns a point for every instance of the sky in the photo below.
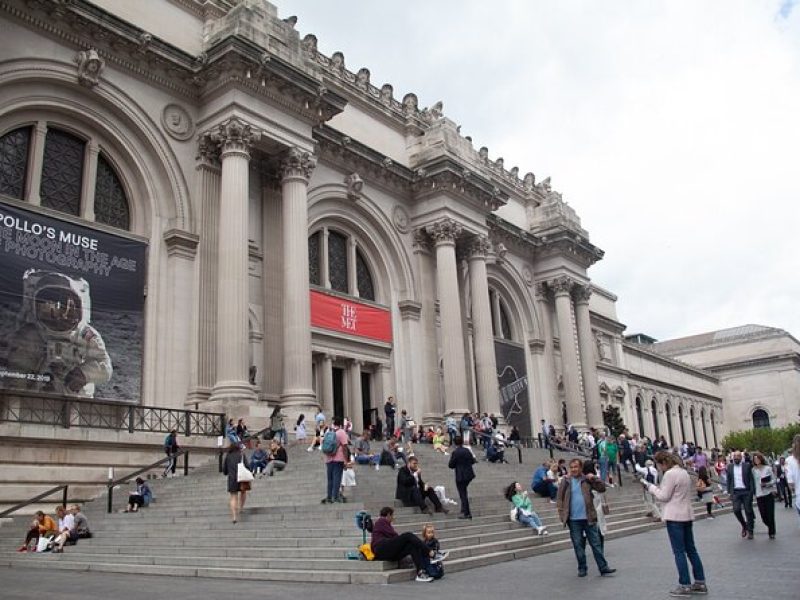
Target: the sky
pixel 671 127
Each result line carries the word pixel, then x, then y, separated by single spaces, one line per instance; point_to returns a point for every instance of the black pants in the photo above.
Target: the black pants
pixel 785 492
pixel 766 508
pixel 389 427
pixel 173 460
pixel 418 497
pixel 461 486
pixel 744 499
pixel 405 544
pixel 32 535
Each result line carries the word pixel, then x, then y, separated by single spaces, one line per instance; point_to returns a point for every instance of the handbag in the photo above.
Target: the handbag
pixel 243 474
pixel 44 544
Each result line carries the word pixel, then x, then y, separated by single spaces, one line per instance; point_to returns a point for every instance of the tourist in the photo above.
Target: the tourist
pixel 386 544
pixel 452 429
pixel 675 491
pixel 543 485
pixel 258 460
pixel 406 427
pixel 784 489
pixel 438 442
pixel 277 459
pixel 237 491
pixel 496 451
pixel 705 490
pixel 764 480
pixel 793 471
pixel 740 488
pixel 277 426
pixel 429 539
pixel 66 523
pixel 601 507
pixel 523 508
pixel 300 433
pixel 334 444
pixel 626 452
pixel 466 427
pixel 42 526
pixel 230 433
pixel 389 411
pixel 391 453
pixel 347 425
pixel 544 435
pixel 319 419
pixel 514 437
pixel 364 456
pixel 721 467
pixel 348 478
pixel 171 450
pixel 487 430
pixel 413 491
pixel 241 429
pixel 612 454
pixel 82 530
pixel 461 460
pixel 649 473
pixel 139 496
pixel 576 510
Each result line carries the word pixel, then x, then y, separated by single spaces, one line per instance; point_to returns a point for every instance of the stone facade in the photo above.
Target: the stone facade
pixel 260 170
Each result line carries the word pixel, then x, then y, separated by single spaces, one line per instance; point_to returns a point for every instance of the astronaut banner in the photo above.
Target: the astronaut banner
pixel 71 308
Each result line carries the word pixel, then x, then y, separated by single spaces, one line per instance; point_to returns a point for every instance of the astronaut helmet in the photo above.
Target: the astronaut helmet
pixel 56 302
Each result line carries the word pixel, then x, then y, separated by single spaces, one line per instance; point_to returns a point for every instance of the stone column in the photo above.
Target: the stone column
pixel 296 169
pixel 444 234
pixel 386 387
pixel 326 385
pixel 485 362
pixel 356 406
pixel 551 407
pixel 562 288
pixel 591 389
pixel 235 138
pixel 35 162
pixel 89 179
pixel 423 376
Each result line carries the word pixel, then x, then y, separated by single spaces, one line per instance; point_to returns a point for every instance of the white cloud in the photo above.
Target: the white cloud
pixel 671 127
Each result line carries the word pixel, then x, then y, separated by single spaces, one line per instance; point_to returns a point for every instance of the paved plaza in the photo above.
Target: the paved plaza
pixel 736 569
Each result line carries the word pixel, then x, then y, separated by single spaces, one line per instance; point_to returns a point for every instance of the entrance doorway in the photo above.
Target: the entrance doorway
pixel 369 414
pixel 338 392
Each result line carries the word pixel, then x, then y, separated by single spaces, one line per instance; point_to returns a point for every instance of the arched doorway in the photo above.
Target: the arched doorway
pixel 639 416
pixel 760 419
pixel 694 424
pixel 668 412
pixel 683 425
pixel 654 408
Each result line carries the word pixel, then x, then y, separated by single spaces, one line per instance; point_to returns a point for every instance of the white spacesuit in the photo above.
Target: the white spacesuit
pixel 54 346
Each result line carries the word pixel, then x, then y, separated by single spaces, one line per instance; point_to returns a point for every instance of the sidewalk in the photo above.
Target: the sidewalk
pixel 735 568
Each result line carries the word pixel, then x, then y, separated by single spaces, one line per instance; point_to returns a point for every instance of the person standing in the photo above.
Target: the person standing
pixel 171 450
pixel 237 492
pixel 784 489
pixel 676 491
pixel 389 411
pixel 277 425
pixel 461 460
pixel 793 471
pixel 740 489
pixel 334 445
pixel 764 480
pixel 576 511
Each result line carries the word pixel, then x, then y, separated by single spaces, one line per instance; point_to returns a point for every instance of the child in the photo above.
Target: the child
pixel 438 442
pixel 348 477
pixel 429 539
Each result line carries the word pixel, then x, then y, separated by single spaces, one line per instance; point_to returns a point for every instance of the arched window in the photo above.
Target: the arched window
pixel 760 419
pixel 683 425
pixel 654 408
pixel 639 416
pixel 668 412
pixel 694 424
pixel 703 424
pixel 65 162
pixel 14 162
pixel 344 258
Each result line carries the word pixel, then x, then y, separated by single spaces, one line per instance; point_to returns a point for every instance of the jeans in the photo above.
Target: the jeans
pixel 173 461
pixel 279 465
pixel 766 508
pixel 365 459
pixel 334 470
pixel 681 539
pixel 579 532
pixel 461 486
pixel 531 519
pixel 452 433
pixel 744 499
pixel 604 469
pixel 546 489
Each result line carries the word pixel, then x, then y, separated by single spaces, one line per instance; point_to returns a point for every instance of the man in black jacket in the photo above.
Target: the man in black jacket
pixel 389 411
pixel 462 460
pixel 412 491
pixel 741 487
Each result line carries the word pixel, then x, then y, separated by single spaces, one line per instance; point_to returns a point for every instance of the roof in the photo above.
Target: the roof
pixel 714 338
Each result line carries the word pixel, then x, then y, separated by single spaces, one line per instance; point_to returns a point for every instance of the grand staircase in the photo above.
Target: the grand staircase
pixel 285 534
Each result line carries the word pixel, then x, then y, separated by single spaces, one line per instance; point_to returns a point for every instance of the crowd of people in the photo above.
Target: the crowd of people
pixel 48 534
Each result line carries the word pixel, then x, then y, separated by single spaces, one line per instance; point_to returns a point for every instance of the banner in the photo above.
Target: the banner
pixel 512 376
pixel 351 317
pixel 71 308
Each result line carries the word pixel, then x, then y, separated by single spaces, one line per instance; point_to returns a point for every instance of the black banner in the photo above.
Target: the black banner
pixel 71 308
pixel 512 376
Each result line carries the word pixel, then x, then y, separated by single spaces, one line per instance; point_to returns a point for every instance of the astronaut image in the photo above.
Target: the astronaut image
pixel 54 348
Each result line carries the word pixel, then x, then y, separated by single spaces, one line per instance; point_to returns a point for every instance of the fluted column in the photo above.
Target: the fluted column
pixel 576 414
pixel 296 169
pixel 326 387
pixel 235 138
pixel 551 408
pixel 208 182
pixel 485 361
pixel 444 234
pixel 356 406
pixel 591 389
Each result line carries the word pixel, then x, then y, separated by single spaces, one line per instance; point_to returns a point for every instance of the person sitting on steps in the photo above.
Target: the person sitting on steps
pixel 542 485
pixel 387 544
pixel 523 508
pixel 140 496
pixel 42 526
pixel 277 457
pixel 413 491
pixel 258 460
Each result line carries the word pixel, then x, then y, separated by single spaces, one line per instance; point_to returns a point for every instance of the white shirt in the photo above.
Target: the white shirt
pixel 68 523
pixel 793 476
pixel 738 480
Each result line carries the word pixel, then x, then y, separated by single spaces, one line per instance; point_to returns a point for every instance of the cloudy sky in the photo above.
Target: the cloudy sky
pixel 672 127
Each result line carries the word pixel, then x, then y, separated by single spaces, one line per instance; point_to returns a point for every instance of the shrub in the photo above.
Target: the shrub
pixel 768 441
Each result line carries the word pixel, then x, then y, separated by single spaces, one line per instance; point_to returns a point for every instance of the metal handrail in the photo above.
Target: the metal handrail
pixel 247 437
pixel 49 492
pixel 114 482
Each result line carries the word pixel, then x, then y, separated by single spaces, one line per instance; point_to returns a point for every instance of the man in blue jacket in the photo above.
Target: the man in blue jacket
pixel 543 486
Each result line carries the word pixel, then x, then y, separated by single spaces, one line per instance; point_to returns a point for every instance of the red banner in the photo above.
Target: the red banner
pixel 351 317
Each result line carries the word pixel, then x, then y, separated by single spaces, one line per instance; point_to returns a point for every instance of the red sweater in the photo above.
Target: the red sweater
pixel 382 530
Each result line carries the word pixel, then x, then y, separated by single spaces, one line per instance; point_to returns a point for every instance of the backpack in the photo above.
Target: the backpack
pixel 365 552
pixel 329 443
pixel 435 570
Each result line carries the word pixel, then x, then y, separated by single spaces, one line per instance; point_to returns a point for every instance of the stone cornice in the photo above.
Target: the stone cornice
pixel 607 323
pixel 680 365
pixel 641 381
pixel 503 231
pixel 570 245
pixel 444 175
pixel 409 310
pixel 788 358
pixel 181 243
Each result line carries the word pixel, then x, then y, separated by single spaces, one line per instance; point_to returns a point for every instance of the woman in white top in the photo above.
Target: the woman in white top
pixel 676 492
pixel 793 471
pixel 765 485
pixel 649 474
pixel 300 429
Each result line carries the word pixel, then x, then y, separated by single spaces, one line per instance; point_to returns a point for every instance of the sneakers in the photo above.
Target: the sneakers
pixel 699 588
pixel 423 577
pixel 310 449
pixel 682 591
pixel 710 517
pixel 542 530
pixel 377 467
pixel 439 557
pixel 607 572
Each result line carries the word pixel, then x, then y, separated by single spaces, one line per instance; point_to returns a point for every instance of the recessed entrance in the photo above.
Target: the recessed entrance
pixel 338 392
pixel 369 414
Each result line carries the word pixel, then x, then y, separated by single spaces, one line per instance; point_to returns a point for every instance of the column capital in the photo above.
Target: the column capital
pixel 207 151
pixel 479 247
pixel 582 293
pixel 235 136
pixel 561 285
pixel 297 164
pixel 421 241
pixel 540 290
pixel 409 309
pixel 444 231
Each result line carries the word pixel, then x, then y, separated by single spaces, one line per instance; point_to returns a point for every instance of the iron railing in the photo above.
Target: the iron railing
pixel 98 414
pixel 42 496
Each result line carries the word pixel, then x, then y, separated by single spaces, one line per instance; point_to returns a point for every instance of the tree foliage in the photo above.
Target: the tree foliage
pixel 613 420
pixel 768 441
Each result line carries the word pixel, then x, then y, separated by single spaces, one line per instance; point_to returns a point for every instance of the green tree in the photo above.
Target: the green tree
pixel 613 420
pixel 766 440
